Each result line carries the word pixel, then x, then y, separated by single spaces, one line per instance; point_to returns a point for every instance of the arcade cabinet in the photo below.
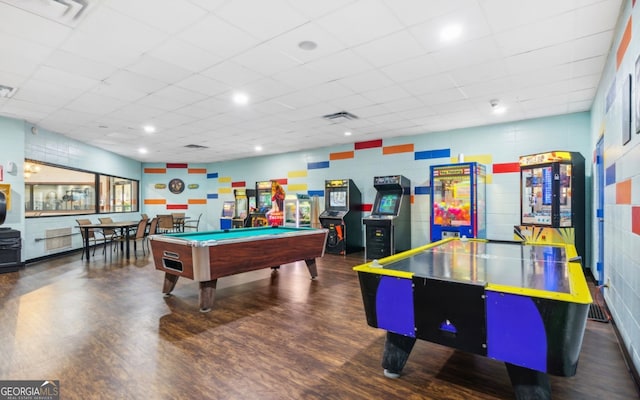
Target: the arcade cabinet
pixel 226 217
pixel 342 216
pixel 245 202
pixel 10 239
pixel 258 217
pixel 552 201
pixel 388 228
pixel 297 210
pixel 458 193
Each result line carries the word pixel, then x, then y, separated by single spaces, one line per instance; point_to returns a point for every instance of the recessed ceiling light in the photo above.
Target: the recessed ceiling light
pixel 496 107
pixel 240 98
pixel 347 133
pixel 499 110
pixel 450 32
pixel 307 45
pixel 149 128
pixel 143 151
pixel 258 148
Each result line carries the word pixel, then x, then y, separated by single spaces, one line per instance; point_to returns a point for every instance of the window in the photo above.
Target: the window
pixel 52 190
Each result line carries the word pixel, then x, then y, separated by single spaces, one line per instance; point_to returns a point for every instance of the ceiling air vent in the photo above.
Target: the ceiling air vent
pixel 341 116
pixel 6 91
pixel 195 146
pixel 66 12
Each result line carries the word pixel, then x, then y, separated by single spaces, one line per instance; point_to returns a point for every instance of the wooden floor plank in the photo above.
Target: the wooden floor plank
pixel 104 329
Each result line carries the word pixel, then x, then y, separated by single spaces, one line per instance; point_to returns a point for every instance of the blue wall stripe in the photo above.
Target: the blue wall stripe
pixel 428 154
pixel 212 175
pixel 319 193
pixel 212 195
pixel 422 190
pixel 318 165
pixel 611 175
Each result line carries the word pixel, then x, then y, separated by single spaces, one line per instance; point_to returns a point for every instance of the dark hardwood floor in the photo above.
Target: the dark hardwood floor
pixel 106 332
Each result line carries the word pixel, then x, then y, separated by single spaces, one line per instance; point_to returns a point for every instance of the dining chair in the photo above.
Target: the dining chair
pixel 178 221
pixel 95 238
pixel 111 235
pixel 165 223
pixel 138 236
pixel 153 229
pixel 192 223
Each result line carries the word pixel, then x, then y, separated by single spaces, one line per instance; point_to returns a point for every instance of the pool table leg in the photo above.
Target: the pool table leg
pixel 528 383
pixel 207 294
pixel 169 283
pixel 312 267
pixel 396 352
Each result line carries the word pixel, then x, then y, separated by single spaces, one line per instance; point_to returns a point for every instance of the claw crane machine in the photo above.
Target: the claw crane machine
pixel 458 193
pixel 552 201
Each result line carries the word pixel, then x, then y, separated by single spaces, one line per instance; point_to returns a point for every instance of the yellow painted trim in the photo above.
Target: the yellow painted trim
pixel 297 174
pixel 297 187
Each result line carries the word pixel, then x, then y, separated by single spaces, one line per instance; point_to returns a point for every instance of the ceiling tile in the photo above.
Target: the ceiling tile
pixel 134 81
pixel 395 47
pixel 360 22
pixel 249 15
pixel 202 84
pixel 184 55
pixel 172 17
pixel 218 36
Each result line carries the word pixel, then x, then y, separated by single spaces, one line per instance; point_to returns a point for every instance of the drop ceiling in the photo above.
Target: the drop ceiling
pixel 102 71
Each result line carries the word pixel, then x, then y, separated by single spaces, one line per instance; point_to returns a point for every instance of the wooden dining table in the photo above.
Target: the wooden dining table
pixel 124 226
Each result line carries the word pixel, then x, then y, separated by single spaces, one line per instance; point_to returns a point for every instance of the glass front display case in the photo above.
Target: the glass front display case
pixel 552 199
pixel 552 189
pixel 458 201
pixel 297 210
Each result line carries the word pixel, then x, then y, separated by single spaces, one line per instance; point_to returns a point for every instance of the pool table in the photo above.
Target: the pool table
pixel 207 256
pixel 523 304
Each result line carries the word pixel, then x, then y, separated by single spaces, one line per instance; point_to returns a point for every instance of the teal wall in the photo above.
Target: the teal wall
pixel 20 142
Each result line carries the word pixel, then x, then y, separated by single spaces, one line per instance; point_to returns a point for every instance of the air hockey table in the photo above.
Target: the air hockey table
pixel 523 304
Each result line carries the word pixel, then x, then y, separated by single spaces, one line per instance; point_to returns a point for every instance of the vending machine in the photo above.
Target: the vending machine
pixel 458 193
pixel 388 228
pixel 297 210
pixel 552 198
pixel 342 216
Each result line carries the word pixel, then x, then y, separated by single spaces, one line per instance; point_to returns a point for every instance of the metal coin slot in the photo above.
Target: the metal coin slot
pixel 173 265
pixel 171 254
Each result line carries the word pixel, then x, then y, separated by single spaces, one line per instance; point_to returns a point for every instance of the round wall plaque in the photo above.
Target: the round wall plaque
pixel 176 186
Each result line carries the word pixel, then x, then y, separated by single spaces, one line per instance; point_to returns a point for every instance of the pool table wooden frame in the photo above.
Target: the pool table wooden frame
pixel 197 256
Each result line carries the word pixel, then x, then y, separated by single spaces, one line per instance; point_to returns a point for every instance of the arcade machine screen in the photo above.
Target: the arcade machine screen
pixel 338 199
pixel 241 207
pixel 388 204
pixel 228 208
pixel 264 201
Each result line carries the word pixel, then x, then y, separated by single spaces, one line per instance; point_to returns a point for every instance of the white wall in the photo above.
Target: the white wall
pixel 621 243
